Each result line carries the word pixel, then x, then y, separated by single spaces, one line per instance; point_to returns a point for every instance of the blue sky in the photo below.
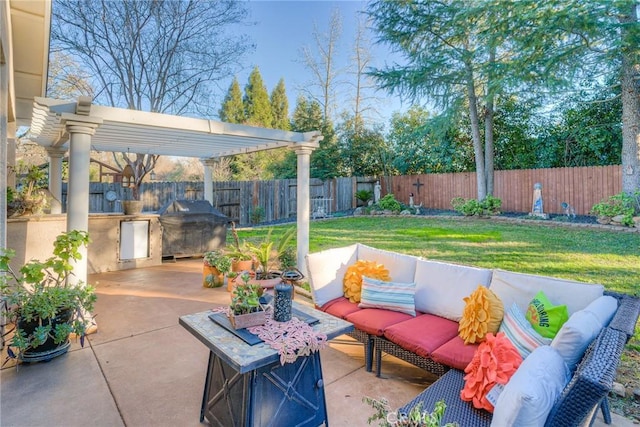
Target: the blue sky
pixel 283 28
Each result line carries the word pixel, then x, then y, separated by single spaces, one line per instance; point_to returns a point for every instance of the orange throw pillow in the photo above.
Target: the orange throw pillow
pixel 482 314
pixel 494 362
pixel 352 282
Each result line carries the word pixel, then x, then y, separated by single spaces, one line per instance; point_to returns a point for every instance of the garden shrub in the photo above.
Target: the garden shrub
pixel 623 204
pixel 364 196
pixel 390 203
pixel 488 206
pixel 257 215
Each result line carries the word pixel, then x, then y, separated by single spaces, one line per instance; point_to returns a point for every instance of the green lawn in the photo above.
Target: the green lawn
pixel 584 254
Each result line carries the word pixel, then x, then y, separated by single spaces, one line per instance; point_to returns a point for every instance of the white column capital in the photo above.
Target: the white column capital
pixel 305 147
pixel 55 152
pixel 210 161
pixel 82 127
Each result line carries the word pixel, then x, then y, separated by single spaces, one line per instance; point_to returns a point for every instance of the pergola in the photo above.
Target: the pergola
pixel 78 127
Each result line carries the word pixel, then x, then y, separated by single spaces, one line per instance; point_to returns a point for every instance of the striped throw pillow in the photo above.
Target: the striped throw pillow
pixel 520 332
pixel 388 295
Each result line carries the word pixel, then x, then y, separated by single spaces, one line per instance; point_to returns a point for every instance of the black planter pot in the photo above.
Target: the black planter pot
pixel 47 350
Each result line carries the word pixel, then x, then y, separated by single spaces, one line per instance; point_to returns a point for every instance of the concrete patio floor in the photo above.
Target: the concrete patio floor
pixel 143 369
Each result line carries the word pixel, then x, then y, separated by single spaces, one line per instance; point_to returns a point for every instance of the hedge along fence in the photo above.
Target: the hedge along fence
pixel 580 187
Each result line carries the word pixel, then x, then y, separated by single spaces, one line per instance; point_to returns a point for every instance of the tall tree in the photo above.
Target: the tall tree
pixel 362 84
pixel 280 107
pixel 232 110
pixel 425 144
pixel 629 20
pixel 67 79
pixel 587 133
pixel 321 63
pixel 257 106
pixel 452 55
pixel 363 150
pixel 160 56
pixel 325 160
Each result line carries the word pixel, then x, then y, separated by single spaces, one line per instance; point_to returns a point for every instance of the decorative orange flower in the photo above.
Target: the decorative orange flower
pixel 352 282
pixel 494 362
pixel 482 314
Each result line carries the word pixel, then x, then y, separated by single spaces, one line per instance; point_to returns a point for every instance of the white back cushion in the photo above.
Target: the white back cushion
pixel 521 288
pixel 583 327
pixel 326 270
pixel 575 335
pixel 441 287
pixel 401 267
pixel 531 392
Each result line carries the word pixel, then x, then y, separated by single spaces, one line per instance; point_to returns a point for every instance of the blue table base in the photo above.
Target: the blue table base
pixel 273 395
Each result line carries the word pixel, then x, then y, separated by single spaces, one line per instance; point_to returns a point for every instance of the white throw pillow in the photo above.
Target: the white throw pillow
pixel 531 392
pixel 441 287
pixel 521 288
pixel 401 267
pixel 326 270
pixel 582 328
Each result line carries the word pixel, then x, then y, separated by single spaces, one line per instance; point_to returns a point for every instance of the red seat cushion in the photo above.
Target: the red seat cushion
pixel 455 353
pixel 422 334
pixel 374 321
pixel 340 307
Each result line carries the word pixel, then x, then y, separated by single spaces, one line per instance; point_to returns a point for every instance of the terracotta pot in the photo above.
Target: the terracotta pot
pixel 241 265
pixel 211 277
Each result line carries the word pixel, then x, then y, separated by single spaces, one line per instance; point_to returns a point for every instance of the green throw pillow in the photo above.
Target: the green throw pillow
pixel 546 318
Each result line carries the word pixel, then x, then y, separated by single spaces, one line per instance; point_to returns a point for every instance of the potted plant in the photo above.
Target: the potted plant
pixel 245 309
pixel 241 256
pixel 216 265
pixel 268 252
pixel 134 168
pixel 43 306
pixel 30 199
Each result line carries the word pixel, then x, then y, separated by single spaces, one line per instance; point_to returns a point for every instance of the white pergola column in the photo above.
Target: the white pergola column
pixel 11 154
pixel 55 178
pixel 4 109
pixel 208 179
pixel 80 133
pixel 303 151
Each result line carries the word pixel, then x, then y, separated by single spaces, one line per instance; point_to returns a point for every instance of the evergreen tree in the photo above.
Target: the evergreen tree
pixel 280 107
pixel 257 106
pixel 232 110
pixel 325 160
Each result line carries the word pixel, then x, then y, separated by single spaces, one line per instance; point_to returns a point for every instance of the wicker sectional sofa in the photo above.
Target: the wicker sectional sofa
pixel 430 339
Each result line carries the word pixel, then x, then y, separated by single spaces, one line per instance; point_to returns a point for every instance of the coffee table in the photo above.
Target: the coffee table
pixel 246 385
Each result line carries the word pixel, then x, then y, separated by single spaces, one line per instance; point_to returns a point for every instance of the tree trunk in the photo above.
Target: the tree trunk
pixel 630 83
pixel 475 133
pixel 488 127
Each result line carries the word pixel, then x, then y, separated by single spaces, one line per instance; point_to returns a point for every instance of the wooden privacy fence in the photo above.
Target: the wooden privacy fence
pixel 580 187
